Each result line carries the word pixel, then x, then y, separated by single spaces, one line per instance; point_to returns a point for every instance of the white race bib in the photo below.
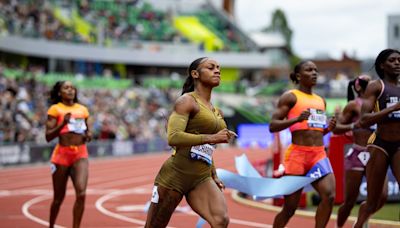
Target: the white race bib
pixel 77 125
pixel 317 118
pixel 364 157
pixel 53 168
pixel 154 196
pixel 393 101
pixel 202 152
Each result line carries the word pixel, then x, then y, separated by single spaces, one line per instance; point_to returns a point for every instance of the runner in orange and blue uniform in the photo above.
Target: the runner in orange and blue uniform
pixel 67 120
pixel 381 106
pixel 303 112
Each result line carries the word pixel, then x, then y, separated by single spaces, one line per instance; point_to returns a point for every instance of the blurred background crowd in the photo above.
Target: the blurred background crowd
pixel 129 91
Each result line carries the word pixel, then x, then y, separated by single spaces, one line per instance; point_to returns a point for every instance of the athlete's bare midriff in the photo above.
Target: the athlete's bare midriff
pixel 307 138
pixel 389 131
pixel 71 139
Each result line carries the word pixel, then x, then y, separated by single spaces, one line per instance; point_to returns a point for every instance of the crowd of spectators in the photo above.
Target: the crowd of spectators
pixel 33 19
pixel 135 113
pixel 107 23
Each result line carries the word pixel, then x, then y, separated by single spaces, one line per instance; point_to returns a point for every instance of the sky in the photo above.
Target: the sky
pixel 325 27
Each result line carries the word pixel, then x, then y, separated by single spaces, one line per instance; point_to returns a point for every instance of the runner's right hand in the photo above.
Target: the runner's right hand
pixel 223 136
pixel 67 117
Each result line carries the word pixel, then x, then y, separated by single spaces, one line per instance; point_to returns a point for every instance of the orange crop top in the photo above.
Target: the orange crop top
pixel 77 122
pixel 312 102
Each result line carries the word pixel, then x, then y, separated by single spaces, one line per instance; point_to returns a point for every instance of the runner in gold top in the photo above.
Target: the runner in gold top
pixel 194 128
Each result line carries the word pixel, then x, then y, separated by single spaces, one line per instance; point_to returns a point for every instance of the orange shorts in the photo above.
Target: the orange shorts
pixel 300 159
pixel 68 155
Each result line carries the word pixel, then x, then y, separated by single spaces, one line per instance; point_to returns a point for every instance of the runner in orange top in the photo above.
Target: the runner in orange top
pixel 303 112
pixel 67 120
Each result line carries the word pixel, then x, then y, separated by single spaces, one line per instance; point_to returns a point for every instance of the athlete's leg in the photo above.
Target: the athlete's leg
pixel 208 201
pixel 60 179
pixel 79 176
pixel 164 202
pixel 289 208
pixel 326 190
pixel 395 165
pixel 352 188
pixel 376 172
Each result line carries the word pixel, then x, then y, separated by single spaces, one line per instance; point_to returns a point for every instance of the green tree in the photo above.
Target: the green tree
pixel 280 24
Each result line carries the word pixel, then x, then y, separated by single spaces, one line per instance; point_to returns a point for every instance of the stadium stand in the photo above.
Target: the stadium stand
pixel 86 41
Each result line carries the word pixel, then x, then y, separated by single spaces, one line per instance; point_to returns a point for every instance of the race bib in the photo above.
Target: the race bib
pixel 317 118
pixel 202 152
pixel 53 168
pixel 154 195
pixel 77 125
pixel 364 157
pixel 393 101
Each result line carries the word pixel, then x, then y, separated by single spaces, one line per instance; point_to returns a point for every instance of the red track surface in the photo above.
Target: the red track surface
pixel 117 192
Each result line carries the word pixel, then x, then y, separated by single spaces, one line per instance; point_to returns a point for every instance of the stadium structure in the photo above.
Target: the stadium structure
pixel 129 59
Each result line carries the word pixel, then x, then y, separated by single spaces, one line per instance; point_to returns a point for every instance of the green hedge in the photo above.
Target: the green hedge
pixel 50 79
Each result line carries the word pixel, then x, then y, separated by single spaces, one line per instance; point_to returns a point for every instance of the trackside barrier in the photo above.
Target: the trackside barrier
pixel 336 156
pixel 18 154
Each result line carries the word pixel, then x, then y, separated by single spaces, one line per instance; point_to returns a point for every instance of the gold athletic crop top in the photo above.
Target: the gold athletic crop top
pixel 189 131
pixel 192 160
pixel 312 102
pixel 76 123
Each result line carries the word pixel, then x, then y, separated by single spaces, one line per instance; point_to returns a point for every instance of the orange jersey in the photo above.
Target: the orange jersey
pixel 77 122
pixel 312 102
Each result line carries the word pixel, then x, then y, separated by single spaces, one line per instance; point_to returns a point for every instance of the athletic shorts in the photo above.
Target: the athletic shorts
pixel 389 148
pixel 356 158
pixel 300 159
pixel 68 155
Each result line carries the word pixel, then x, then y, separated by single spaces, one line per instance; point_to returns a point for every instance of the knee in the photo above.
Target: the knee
pixel 383 197
pixel 289 211
pixel 220 220
pixel 328 197
pixel 58 201
pixel 372 207
pixel 349 203
pixel 81 195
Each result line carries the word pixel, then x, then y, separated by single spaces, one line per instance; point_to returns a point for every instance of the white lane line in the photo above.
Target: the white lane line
pixel 103 199
pixel 46 194
pixel 247 223
pixel 28 204
pixel 238 221
pixel 124 182
pixel 89 191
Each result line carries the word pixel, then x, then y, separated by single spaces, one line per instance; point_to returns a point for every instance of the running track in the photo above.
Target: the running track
pixel 117 193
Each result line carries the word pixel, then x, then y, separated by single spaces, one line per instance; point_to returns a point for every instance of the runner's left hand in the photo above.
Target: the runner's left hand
pixel 88 136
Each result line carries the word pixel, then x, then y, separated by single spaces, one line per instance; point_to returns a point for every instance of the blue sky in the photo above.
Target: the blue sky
pixel 358 27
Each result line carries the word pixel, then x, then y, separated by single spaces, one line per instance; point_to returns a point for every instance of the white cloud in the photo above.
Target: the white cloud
pixel 355 26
